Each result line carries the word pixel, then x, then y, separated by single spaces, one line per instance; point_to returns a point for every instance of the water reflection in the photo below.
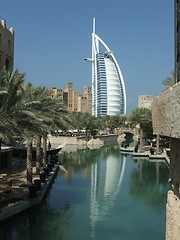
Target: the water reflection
pixel 149 184
pixel 106 179
pixel 100 196
pixel 80 160
pixel 106 168
pixel 42 223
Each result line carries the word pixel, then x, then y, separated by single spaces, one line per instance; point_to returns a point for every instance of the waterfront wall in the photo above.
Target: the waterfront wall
pixel 18 207
pixel 55 141
pixel 166 112
pixel 172 217
pixel 108 138
pixel 165 117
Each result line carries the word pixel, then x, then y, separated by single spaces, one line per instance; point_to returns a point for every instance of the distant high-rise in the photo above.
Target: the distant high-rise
pixel 108 88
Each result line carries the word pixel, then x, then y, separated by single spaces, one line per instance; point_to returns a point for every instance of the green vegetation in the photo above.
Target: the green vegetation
pixel 142 117
pixel 28 113
pixel 95 125
pixel 169 81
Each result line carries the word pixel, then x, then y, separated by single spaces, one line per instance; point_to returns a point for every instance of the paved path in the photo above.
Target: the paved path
pixel 17 200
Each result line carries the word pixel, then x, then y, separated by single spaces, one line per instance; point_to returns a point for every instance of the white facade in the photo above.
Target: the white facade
pixel 108 88
pixel 106 181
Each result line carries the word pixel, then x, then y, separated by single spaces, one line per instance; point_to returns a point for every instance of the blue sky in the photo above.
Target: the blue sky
pixel 53 36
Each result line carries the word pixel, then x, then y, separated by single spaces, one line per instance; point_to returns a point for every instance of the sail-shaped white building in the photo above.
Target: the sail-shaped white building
pixel 108 88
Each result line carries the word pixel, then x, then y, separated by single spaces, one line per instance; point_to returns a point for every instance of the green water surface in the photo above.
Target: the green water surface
pixel 103 196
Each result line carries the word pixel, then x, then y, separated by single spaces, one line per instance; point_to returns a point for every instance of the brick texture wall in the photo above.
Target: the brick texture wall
pixel 166 122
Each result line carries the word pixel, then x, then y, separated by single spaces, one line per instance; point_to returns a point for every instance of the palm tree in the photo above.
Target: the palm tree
pixel 143 118
pixel 27 112
pixel 11 89
pixel 169 81
pixel 29 122
pixel 38 154
pixel 45 114
pixel 54 116
pixel 13 119
pixel 34 96
pixel 114 121
pixel 77 119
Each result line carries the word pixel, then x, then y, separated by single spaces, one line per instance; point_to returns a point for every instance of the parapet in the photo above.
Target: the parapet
pixel 3 24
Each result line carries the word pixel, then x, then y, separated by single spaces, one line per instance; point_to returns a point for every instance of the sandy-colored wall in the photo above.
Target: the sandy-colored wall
pixel 166 122
pixel 6 45
pixel 166 112
pixel 172 217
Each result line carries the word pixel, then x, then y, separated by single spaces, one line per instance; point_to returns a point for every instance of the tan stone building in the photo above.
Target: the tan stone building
pixel 74 101
pixel 85 100
pixel 6 46
pixel 58 92
pixel 145 101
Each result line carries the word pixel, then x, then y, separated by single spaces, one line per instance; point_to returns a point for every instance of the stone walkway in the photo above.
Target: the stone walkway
pixel 14 192
pixel 13 186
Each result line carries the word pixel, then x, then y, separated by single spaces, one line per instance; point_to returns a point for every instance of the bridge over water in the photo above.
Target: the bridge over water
pixel 126 131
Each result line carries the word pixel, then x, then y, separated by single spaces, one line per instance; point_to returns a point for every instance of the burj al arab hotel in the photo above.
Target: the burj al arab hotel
pixel 108 88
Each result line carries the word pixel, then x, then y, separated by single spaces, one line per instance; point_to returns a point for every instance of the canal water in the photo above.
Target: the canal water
pixel 104 195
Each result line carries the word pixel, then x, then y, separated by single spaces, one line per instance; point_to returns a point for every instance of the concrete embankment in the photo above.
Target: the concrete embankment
pixel 55 141
pixel 75 143
pixel 146 155
pixel 20 206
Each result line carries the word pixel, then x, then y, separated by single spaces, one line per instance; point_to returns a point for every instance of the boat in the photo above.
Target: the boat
pixel 126 150
pixel 21 152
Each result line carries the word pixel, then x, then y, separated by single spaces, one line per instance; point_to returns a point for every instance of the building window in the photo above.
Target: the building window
pixel 0 38
pixel 9 44
pixel 7 65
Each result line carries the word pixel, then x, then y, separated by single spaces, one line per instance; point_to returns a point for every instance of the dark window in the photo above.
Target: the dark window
pixel 7 65
pixel 9 44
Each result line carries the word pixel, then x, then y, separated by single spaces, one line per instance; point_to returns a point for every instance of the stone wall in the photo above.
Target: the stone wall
pixel 110 138
pixel 166 112
pixel 6 46
pixel 174 171
pixel 173 217
pixel 166 122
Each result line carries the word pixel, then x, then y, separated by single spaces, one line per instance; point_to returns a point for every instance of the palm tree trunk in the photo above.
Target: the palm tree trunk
pixel 44 149
pixel 38 154
pixel 0 153
pixel 29 160
pixel 141 139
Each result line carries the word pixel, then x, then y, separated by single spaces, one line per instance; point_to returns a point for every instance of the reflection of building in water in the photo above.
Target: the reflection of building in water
pixel 87 172
pixel 106 178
